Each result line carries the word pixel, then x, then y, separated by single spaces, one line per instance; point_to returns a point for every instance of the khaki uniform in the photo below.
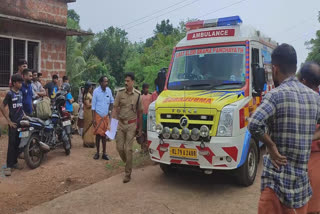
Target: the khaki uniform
pixel 129 104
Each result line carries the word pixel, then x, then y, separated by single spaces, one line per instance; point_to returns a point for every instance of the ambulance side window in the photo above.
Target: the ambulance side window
pixel 255 57
pixel 255 65
pixel 254 60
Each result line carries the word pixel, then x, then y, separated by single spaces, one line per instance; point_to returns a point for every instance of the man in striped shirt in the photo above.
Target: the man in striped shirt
pixel 291 112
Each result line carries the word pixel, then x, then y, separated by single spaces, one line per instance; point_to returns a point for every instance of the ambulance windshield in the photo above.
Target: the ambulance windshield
pixel 208 68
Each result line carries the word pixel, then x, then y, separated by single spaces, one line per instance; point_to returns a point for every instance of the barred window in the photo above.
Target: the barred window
pixel 11 50
pixel 5 52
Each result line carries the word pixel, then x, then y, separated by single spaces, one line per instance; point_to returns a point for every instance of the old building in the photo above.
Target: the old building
pixel 35 30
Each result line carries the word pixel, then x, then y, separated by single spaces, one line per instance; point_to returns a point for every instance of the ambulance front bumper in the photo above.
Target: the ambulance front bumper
pixel 223 153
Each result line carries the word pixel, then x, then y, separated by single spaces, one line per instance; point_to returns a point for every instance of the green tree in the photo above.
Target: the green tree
pixel 95 69
pixel 111 47
pixel 156 54
pixel 314 46
pixel 164 28
pixel 76 64
pixel 74 16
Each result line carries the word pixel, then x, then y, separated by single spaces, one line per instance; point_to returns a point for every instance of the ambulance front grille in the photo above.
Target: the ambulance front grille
pixel 191 117
pixel 190 126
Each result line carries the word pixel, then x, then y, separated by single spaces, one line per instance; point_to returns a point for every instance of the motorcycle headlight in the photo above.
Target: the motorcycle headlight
pixel 151 122
pixel 24 123
pixel 225 122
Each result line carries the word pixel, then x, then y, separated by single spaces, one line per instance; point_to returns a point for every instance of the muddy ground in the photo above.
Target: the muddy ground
pixel 59 174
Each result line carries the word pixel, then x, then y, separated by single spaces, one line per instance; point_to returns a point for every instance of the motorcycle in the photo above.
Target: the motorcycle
pixel 38 137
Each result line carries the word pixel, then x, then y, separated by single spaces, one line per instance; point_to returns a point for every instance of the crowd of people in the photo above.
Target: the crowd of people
pixel 91 115
pixel 286 122
pixel 26 87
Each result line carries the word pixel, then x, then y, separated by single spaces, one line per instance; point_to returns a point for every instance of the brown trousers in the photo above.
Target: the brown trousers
pixel 125 138
pixel 270 204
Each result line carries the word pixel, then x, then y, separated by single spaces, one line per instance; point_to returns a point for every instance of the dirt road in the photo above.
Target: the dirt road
pixel 151 192
pixel 58 175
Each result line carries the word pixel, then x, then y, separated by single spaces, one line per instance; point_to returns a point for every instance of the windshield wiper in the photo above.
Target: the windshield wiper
pixel 228 83
pixel 198 85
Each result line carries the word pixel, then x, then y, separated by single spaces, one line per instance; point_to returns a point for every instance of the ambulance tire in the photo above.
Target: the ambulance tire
pixel 246 174
pixel 167 169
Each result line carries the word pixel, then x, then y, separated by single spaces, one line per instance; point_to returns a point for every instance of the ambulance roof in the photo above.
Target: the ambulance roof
pixel 229 30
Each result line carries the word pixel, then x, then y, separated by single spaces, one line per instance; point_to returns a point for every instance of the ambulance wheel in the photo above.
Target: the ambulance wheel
pixel 246 174
pixel 167 169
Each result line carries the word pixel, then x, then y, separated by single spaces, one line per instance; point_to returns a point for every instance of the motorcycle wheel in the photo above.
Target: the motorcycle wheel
pixel 67 151
pixel 70 141
pixel 33 155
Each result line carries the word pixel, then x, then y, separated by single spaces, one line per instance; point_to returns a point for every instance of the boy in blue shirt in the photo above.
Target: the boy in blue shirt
pixel 13 100
pixel 69 98
pixel 27 92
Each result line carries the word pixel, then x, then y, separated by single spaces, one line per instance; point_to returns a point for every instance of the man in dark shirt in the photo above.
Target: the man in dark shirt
pixel 27 92
pixel 13 100
pixel 52 87
pixel 22 64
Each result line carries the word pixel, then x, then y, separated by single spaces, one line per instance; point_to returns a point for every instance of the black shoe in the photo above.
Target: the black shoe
pixel 126 179
pixel 96 156
pixel 105 157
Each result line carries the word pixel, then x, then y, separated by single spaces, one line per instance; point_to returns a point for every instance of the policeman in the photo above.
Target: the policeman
pixel 128 110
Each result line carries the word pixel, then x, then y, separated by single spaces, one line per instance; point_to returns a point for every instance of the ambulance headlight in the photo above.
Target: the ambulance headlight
pixel 204 131
pixel 225 122
pixel 166 132
pixel 185 134
pixel 159 128
pixel 175 133
pixel 195 134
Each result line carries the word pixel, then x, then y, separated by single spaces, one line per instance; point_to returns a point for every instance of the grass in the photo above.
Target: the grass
pixel 139 160
pixel 4 130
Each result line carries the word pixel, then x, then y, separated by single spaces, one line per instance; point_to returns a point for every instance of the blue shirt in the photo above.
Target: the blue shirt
pixel 101 101
pixel 291 112
pixel 27 95
pixel 69 106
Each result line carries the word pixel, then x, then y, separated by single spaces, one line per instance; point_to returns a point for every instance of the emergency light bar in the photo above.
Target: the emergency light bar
pixel 226 21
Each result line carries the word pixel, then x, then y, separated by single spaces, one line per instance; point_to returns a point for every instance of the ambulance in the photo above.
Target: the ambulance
pixel 216 79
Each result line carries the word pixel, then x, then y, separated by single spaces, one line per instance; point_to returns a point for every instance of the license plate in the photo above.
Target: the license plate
pixel 24 134
pixel 183 153
pixel 66 123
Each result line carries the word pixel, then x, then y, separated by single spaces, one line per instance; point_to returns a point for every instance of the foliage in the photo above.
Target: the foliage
pixel 111 47
pixel 110 53
pixel 157 53
pixel 314 46
pixel 164 28
pixel 73 16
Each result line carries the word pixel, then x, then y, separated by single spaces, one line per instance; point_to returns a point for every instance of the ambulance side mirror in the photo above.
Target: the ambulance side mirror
pixel 259 80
